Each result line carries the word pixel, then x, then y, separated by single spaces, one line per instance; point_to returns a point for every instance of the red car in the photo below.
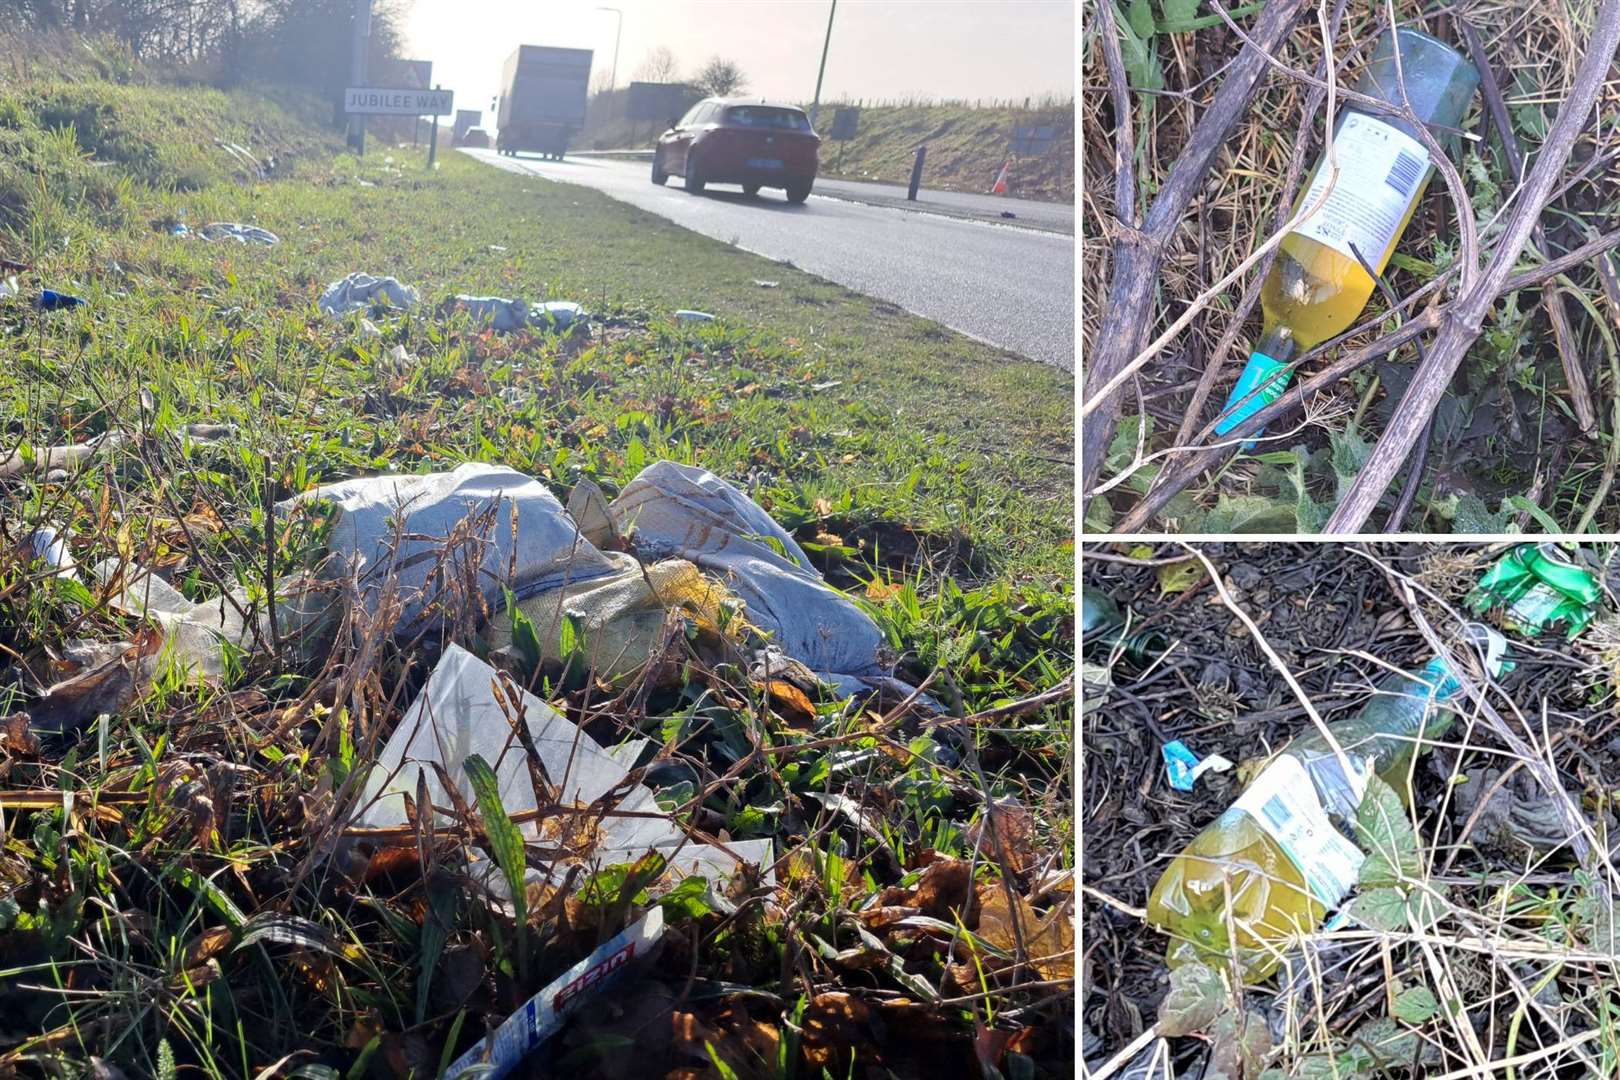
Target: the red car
pixel 735 141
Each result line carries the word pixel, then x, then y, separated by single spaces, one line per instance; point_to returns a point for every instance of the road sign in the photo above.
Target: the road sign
pixel 387 101
pixel 1033 141
pixel 846 122
pixel 658 102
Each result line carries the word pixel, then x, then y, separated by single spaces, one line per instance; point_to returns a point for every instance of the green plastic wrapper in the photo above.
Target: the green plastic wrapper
pixel 1538 588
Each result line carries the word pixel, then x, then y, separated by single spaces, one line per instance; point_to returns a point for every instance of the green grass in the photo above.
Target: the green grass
pixel 188 919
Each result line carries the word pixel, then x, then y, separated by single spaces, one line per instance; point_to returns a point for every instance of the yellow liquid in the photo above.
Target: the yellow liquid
pixel 1313 291
pixel 1270 901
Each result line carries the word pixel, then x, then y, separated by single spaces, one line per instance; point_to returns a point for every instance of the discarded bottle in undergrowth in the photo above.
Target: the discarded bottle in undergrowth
pixel 1103 627
pixel 1276 858
pixel 1317 286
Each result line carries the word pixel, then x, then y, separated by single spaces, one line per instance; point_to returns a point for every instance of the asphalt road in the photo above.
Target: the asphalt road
pixel 1046 215
pixel 1008 286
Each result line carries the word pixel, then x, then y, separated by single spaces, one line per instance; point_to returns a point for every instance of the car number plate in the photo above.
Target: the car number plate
pixel 764 163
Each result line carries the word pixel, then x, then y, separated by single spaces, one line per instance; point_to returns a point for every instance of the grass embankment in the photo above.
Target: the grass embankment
pixel 966 147
pixel 174 908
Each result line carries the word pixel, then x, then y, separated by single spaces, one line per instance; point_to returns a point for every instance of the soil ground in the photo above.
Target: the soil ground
pixel 1334 616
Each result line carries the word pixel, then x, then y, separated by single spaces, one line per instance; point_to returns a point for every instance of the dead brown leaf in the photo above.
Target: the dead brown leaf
pixel 1006 831
pixel 206 945
pixel 746 1045
pixel 836 1025
pixel 1048 941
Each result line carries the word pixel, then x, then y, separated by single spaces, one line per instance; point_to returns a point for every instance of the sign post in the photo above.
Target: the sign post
pixel 365 101
pixel 357 70
pixel 433 141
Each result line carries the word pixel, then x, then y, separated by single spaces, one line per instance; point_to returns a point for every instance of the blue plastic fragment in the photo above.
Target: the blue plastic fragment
pixel 51 300
pixel 1180 762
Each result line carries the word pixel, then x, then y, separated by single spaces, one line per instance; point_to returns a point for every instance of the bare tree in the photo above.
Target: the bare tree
pixel 720 77
pixel 659 66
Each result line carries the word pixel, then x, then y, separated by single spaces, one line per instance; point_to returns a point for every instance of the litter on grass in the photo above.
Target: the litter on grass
pixel 50 548
pixel 242 234
pixel 423 537
pixel 9 288
pixel 509 315
pixel 51 300
pixel 1537 588
pixel 1183 767
pixel 361 291
pixel 596 819
pixel 503 1049
pixel 687 315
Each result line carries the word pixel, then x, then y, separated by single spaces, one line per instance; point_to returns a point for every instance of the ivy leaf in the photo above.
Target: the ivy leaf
pixel 1472 516
pixel 1386 835
pixel 1349 457
pixel 1381 1042
pixel 1382 908
pixel 1251 513
pixel 1197 995
pixel 1177 12
pixel 1178 577
pixel 1415 1004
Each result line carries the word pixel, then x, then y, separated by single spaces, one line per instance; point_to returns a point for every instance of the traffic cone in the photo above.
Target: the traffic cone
pixel 1000 186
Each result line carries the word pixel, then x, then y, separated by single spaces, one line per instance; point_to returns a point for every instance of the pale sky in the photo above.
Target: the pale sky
pixel 880 48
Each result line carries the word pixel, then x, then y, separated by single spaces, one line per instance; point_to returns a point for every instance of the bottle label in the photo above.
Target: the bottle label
pixel 1380 168
pixel 1263 374
pixel 1283 801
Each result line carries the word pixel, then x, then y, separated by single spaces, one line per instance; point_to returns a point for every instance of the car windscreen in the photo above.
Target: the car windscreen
pixel 762 116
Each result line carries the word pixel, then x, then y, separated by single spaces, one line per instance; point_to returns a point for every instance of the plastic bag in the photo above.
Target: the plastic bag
pixel 501 314
pixel 242 234
pixel 530 545
pixel 677 511
pixel 457 715
pixel 360 291
pixel 621 618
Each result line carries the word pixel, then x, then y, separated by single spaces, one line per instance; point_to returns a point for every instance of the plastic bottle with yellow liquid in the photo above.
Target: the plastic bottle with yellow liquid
pixel 1317 286
pixel 1274 864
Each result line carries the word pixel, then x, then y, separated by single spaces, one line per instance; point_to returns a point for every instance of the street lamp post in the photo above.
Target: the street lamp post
pixel 613 78
pixel 821 71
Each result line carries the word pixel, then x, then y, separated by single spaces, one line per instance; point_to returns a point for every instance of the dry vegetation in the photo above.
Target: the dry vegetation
pixel 1512 443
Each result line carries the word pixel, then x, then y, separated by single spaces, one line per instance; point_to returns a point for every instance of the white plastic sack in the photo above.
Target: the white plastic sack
pixel 669 511
pixel 199 635
pixel 508 315
pixel 500 313
pixel 556 314
pixel 677 511
pixel 242 234
pixel 360 291
pixel 544 547
pixel 457 715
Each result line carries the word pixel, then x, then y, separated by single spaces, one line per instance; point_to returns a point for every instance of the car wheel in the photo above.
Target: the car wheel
pixel 693 178
pixel 659 176
pixel 750 190
pixel 799 191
